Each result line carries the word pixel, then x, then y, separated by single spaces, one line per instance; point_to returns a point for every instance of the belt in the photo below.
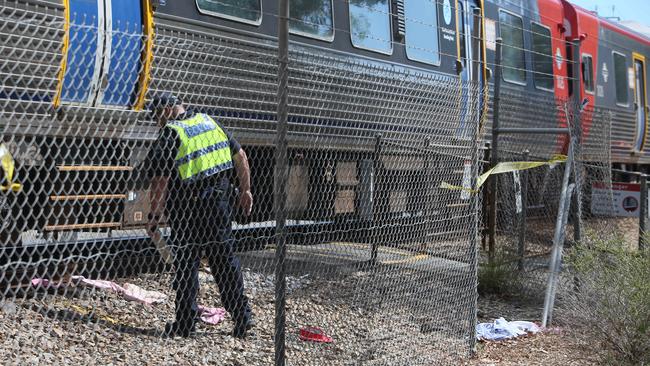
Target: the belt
pixel 207 193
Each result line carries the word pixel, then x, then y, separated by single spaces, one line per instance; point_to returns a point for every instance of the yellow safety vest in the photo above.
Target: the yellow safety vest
pixel 204 149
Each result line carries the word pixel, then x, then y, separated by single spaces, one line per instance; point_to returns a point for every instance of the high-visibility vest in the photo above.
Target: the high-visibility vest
pixel 204 148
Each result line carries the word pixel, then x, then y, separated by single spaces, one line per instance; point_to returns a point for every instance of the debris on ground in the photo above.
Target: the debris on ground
pixel 314 334
pixel 502 329
pixel 129 291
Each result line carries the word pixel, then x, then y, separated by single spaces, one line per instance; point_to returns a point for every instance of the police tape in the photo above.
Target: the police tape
pixel 8 166
pixel 92 314
pixel 505 167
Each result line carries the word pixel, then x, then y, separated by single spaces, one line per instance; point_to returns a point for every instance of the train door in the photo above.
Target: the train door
pixel 640 102
pixel 469 26
pixel 104 46
pixel 106 63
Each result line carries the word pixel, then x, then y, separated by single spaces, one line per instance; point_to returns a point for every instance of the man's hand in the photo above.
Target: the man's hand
pixel 246 202
pixel 244 176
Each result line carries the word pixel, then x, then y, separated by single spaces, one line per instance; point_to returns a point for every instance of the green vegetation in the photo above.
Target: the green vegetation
pixel 498 276
pixel 612 296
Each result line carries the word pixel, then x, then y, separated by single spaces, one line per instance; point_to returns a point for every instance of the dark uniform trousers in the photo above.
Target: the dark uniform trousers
pixel 202 223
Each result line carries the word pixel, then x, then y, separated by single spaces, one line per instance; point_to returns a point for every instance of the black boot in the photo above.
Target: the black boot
pixel 242 327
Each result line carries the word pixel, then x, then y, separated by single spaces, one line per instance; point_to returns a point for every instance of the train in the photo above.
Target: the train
pixel 372 84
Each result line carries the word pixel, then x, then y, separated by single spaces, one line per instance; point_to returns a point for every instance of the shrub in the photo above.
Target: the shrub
pixel 498 276
pixel 611 294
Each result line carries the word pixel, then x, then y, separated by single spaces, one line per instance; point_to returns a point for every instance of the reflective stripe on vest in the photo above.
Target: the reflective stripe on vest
pixel 204 149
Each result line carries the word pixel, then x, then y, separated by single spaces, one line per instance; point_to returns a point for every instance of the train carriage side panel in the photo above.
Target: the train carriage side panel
pixel 616 74
pixel 225 63
pixel 530 33
pixel 636 49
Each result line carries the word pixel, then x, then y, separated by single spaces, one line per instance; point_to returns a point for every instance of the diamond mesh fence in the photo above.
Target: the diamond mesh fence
pixel 137 199
pixel 529 200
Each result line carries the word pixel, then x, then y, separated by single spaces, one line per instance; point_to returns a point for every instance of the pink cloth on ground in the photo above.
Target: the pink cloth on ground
pixel 136 293
pixel 212 316
pixel 46 283
pixel 130 291
pixel 100 284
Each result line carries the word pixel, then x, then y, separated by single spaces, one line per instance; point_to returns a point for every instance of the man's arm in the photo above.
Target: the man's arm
pixel 158 194
pixel 244 176
pixel 157 197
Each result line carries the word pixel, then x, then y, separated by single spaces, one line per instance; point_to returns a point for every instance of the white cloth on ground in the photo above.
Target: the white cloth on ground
pixel 502 329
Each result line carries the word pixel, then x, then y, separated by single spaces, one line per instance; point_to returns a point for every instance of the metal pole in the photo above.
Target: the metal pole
pixel 577 105
pixel 556 268
pixel 557 245
pixel 375 203
pixel 474 208
pixel 533 130
pixel 643 211
pixel 280 181
pixel 494 153
pixel 522 218
pixel 426 218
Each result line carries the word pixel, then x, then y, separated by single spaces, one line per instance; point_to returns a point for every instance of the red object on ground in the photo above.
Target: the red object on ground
pixel 314 334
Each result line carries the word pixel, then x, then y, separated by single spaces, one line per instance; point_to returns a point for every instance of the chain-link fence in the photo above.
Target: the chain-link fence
pixel 529 201
pixel 125 156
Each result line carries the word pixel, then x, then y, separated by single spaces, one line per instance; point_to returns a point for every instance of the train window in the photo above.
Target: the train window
pixel 247 11
pixel 542 57
pixel 513 58
pixel 312 18
pixel 421 24
pixel 370 26
pixel 588 73
pixel 620 78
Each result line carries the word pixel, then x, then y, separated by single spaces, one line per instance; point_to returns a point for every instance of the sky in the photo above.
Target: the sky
pixel 636 10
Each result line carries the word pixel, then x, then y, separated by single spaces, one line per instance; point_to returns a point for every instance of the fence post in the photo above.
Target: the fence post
pixel 522 219
pixel 426 218
pixel 643 211
pixel 280 181
pixel 577 104
pixel 558 242
pixel 474 212
pixel 494 153
pixel 375 195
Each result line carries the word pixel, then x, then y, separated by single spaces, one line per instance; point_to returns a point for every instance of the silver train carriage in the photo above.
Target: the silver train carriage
pixel 377 98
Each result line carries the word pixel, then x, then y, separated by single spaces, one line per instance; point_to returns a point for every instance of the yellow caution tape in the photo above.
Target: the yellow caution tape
pixel 94 314
pixel 15 187
pixel 88 312
pixel 8 166
pixel 505 167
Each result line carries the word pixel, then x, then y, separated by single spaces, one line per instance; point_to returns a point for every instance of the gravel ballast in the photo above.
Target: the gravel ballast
pixel 88 326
